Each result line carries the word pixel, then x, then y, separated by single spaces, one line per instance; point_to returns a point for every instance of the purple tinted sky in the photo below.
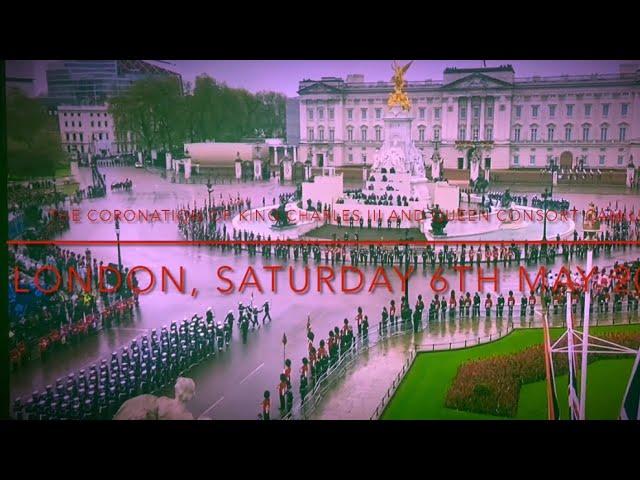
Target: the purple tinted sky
pixel 283 75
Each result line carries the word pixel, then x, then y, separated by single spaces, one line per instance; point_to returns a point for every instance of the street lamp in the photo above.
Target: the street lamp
pixel 209 190
pixel 546 195
pixel 118 242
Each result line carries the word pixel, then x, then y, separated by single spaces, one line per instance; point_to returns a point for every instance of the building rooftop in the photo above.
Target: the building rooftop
pixel 501 68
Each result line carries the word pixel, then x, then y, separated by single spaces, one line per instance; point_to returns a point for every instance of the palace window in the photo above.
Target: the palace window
pixel 73 124
pixel 436 133
pixel 476 111
pixel 476 133
pixel 350 158
pixel 516 160
pixel 363 113
pixel 330 113
pixel 436 113
pixel 331 134
pixel 603 133
pixel 532 159
pixel 488 134
pixel 74 137
pixel 364 158
pixel 320 113
pixel 552 110
pixel 585 133
pixel 534 134
pixel 105 123
pixel 363 133
pixel 66 124
pixel 67 136
pixel 623 134
pixel 620 159
pixel 587 110
pixel 378 113
pixel 99 124
pixel 421 113
pixel 516 134
pixel 421 134
pixel 601 160
pixel 321 134
pixel 309 114
pixel 462 133
pixel 624 109
pixel 350 113
pixel 567 133
pixel 378 134
pixel 80 124
pixel 489 111
pixel 605 109
pixel 518 111
pixel 550 131
pixel 350 134
pixel 81 137
pixel 91 123
pixel 463 112
pixel 534 110
pixel 569 110
pixel 310 134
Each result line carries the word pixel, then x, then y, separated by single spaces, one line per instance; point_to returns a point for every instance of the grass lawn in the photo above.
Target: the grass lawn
pixel 327 231
pixel 422 393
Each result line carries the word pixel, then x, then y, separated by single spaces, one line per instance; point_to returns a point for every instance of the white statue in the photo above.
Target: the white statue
pixel 436 165
pixel 150 407
pixel 475 164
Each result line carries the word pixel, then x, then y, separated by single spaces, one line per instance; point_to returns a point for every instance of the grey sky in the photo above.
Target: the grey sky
pixel 283 75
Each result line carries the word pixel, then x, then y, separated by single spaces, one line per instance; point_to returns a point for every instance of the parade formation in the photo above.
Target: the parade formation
pixel 289 271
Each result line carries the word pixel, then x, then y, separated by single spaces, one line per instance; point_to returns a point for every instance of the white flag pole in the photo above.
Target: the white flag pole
pixel 585 337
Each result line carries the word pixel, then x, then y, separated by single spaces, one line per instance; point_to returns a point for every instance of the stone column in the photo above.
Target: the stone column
pixel 238 170
pixel 187 168
pixel 468 119
pixel 168 161
pixel 481 131
pixel 288 170
pixel 295 154
pixel 275 155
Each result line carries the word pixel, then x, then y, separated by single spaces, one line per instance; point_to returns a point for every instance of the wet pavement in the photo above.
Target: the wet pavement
pixel 230 386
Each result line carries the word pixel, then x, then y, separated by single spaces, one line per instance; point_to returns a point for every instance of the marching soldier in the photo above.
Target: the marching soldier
pixel 511 301
pixel 500 305
pixel 266 405
pixel 532 303
pixel 488 303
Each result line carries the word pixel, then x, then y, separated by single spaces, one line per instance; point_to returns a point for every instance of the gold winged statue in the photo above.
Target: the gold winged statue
pixel 399 96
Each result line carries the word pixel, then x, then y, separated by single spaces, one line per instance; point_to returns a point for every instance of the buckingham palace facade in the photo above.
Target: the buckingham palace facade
pixel 588 120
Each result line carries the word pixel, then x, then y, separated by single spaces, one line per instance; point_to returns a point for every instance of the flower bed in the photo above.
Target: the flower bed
pixel 492 385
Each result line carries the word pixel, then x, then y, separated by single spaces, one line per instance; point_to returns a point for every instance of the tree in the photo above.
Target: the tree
pixel 156 113
pixel 33 144
pixel 151 110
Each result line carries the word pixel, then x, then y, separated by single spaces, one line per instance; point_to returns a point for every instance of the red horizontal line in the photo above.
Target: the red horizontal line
pixel 322 242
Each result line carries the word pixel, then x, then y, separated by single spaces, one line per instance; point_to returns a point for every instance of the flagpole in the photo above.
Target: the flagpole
pixel 572 371
pixel 585 337
pixel 547 355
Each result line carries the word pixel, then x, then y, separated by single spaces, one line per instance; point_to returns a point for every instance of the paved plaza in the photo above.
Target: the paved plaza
pixel 230 386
